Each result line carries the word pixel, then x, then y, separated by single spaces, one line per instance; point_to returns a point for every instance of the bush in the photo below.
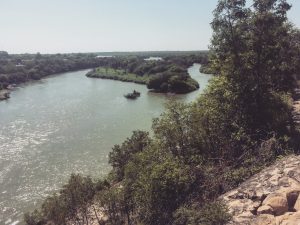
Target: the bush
pixel 71 204
pixel 121 154
pixel 158 185
pixel 214 213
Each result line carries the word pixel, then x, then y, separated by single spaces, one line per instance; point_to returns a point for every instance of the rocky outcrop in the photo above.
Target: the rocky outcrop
pixel 270 197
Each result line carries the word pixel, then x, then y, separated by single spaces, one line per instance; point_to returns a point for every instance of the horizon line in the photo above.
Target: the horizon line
pixel 105 52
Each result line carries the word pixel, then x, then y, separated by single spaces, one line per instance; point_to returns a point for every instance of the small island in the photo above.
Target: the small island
pixel 168 75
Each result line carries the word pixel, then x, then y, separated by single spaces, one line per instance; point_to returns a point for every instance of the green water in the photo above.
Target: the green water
pixel 67 124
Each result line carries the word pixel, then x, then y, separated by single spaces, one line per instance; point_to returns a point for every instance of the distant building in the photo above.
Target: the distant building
pixel 104 56
pixel 19 65
pixel 154 59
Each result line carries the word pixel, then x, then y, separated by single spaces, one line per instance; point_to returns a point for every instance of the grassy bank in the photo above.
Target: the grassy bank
pixel 117 74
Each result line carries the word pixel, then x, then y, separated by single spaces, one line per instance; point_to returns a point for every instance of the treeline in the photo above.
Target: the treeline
pixel 15 69
pixel 166 75
pixel 200 150
pixel 153 53
pixel 20 68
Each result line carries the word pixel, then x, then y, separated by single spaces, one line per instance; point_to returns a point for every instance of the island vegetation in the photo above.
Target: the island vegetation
pixel 117 74
pixel 166 75
pixel 239 125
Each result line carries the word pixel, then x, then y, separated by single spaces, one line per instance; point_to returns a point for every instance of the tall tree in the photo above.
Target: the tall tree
pixel 251 49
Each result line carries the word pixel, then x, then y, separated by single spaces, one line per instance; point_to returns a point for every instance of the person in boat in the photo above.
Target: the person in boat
pixel 136 93
pixel 133 95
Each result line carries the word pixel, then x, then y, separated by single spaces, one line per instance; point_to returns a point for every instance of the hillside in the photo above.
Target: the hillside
pixel 269 197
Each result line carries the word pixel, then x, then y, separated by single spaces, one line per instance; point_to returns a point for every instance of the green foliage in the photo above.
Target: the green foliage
pixel 172 82
pixel 206 69
pixel 173 129
pixel 117 74
pixel 214 213
pixel 159 186
pixel 249 100
pixel 71 204
pixel 20 68
pixel 121 154
pixel 168 75
pixel 113 203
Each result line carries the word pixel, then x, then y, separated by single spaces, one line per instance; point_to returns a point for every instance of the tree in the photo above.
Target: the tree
pixel 251 51
pixel 173 131
pixel 121 154
pixel 111 200
pixel 70 205
pixel 158 183
pixel 78 194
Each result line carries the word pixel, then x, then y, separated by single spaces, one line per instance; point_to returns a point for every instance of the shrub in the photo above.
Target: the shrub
pixel 214 213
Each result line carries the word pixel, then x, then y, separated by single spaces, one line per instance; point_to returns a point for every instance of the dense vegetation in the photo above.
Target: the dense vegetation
pixel 200 150
pixel 117 74
pixel 15 69
pixel 166 75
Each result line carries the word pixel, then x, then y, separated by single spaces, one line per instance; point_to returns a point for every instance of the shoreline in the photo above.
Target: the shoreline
pixel 5 93
pixel 108 77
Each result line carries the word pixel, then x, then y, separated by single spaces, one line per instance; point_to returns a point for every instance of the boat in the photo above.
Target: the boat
pixel 135 94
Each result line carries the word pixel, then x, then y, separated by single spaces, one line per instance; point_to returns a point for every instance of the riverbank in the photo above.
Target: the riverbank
pixel 21 68
pixel 117 74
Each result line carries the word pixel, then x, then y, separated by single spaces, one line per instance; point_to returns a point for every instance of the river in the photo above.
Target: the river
pixel 65 124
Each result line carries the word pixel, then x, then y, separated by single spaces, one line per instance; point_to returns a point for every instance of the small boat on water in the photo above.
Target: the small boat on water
pixel 135 94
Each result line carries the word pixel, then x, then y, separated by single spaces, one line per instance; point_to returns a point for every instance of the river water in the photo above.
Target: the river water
pixel 66 124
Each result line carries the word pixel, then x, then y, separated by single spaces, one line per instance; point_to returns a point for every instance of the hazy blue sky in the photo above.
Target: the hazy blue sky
pixel 51 26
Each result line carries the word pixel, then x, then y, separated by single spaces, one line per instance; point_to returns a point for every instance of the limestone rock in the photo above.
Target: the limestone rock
pixel 264 220
pixel 265 209
pixel 277 186
pixel 288 219
pixel 297 204
pixel 292 196
pixel 278 203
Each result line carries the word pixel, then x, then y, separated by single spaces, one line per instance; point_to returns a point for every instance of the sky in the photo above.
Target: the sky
pixel 63 26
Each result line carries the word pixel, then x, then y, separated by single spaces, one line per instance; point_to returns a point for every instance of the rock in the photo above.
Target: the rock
pixel 288 219
pixel 276 186
pixel 292 196
pixel 264 220
pixel 278 202
pixel 254 207
pixel 244 218
pixel 265 209
pixel 297 204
